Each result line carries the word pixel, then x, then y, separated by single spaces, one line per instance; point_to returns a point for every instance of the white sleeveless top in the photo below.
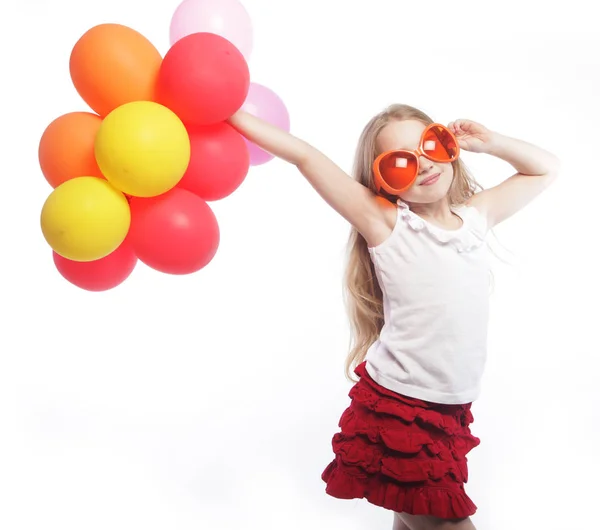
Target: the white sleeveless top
pixel 436 287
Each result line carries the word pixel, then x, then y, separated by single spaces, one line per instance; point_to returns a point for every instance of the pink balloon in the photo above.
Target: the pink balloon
pixel 263 103
pixel 226 18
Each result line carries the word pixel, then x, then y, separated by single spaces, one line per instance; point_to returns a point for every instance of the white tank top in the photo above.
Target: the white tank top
pixel 436 288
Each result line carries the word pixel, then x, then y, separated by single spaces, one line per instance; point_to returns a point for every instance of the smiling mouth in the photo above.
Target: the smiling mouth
pixel 428 180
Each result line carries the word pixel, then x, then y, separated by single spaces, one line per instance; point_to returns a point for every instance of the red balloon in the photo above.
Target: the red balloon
pixel 219 163
pixel 99 275
pixel 175 233
pixel 203 78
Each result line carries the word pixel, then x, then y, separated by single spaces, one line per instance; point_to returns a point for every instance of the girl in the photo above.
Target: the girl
pixel 418 280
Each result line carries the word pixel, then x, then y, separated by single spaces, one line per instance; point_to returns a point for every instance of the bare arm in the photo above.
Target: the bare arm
pixel 536 169
pixel 355 202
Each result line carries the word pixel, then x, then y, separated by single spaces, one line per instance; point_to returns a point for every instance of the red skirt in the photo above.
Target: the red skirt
pixel 402 453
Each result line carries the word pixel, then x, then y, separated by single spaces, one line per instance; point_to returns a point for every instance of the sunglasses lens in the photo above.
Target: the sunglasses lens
pixel 398 169
pixel 439 144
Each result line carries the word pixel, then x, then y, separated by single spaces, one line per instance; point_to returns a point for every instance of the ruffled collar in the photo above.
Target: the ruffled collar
pixel 468 237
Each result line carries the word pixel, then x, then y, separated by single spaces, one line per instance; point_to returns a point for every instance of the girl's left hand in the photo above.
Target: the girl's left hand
pixel 472 136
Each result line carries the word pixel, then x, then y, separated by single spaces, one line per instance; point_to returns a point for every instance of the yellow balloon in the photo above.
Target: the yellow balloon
pixel 143 148
pixel 85 219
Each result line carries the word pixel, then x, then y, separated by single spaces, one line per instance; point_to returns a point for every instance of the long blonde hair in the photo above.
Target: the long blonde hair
pixel 363 296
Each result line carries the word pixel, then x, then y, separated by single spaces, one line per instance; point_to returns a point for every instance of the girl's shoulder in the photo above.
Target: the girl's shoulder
pixel 475 215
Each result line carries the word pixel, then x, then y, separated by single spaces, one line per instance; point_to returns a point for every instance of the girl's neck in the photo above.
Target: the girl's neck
pixel 438 213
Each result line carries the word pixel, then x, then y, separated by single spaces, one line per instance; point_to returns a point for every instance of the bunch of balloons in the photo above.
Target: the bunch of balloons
pixel 132 179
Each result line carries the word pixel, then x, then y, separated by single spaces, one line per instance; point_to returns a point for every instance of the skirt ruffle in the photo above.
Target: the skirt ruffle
pixel 402 453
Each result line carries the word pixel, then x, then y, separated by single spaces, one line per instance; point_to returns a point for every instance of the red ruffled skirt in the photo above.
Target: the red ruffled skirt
pixel 402 453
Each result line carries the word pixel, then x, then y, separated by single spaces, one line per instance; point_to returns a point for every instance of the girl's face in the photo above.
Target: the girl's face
pixel 406 134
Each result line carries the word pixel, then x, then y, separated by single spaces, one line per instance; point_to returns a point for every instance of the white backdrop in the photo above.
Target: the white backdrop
pixel 209 400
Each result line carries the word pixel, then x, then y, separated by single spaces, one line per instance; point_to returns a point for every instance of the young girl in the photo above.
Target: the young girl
pixel 418 280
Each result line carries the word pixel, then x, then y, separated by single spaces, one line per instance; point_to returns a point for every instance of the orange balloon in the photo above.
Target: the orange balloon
pixel 112 65
pixel 66 148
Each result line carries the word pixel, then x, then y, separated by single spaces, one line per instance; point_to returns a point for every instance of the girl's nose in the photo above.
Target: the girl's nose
pixel 425 164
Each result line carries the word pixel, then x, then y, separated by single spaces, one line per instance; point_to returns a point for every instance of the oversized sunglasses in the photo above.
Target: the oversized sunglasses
pixel 396 171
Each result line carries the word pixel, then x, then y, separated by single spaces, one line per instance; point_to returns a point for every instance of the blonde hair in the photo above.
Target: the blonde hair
pixel 363 296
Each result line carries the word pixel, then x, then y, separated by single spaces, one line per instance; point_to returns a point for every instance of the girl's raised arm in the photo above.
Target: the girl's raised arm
pixel 355 202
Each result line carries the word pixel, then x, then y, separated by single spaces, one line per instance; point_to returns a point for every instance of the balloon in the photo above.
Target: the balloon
pixel 99 275
pixel 66 149
pixel 143 148
pixel 204 79
pixel 112 65
pixel 219 162
pixel 267 105
pixel 85 219
pixel 175 233
pixel 227 18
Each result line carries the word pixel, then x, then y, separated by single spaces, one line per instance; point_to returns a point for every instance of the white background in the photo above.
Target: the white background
pixel 209 400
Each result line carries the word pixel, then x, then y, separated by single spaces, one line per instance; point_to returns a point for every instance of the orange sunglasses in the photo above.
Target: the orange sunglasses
pixel 396 171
